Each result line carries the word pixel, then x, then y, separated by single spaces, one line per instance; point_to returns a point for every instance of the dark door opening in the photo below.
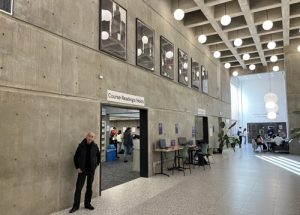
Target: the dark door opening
pixel 201 127
pixel 115 171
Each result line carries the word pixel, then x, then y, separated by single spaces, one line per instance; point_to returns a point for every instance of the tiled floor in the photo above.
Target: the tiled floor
pixel 238 183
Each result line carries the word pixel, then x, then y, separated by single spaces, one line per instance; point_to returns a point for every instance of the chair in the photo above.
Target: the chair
pixel 183 157
pixel 210 153
pixel 202 153
pixel 255 146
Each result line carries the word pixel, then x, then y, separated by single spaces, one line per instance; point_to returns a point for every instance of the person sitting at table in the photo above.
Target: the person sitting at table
pixel 260 142
pixel 278 140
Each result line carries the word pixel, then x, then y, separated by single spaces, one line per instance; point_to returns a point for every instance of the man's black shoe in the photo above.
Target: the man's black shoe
pixel 90 207
pixel 73 210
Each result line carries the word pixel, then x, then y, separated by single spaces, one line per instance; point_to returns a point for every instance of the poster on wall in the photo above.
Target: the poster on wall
pixel 113 29
pixel 196 72
pixel 144 46
pixel 183 67
pixel 160 128
pixel 204 79
pixel 166 58
pixel 193 131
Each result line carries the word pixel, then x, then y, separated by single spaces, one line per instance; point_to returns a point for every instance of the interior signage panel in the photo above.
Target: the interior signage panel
pixel 124 98
pixel 201 111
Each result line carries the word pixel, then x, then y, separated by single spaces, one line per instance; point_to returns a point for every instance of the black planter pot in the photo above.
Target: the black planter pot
pixel 220 150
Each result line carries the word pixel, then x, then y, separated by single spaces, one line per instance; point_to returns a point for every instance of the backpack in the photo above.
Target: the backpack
pixel 238 133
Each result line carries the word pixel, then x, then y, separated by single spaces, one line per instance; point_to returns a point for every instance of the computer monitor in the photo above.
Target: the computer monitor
pixel 182 141
pixel 162 143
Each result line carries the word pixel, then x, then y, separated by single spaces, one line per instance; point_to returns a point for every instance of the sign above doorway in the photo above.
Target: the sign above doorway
pixel 201 111
pixel 124 98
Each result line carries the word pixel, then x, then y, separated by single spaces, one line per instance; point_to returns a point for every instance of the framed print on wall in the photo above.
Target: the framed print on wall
pixel 183 67
pixel 196 74
pixel 166 58
pixel 113 29
pixel 204 79
pixel 144 46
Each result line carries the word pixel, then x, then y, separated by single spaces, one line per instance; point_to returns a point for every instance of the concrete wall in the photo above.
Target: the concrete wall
pixel 292 65
pixel 50 93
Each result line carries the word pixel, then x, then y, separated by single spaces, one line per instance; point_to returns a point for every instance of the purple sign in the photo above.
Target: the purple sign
pixel 193 131
pixel 160 128
pixel 176 128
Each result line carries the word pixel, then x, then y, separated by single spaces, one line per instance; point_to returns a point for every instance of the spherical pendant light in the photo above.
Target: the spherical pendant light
pixel 246 56
pixel 235 73
pixel 271 115
pixel 275 68
pixel 217 54
pixel 238 42
pixel 225 20
pixel 252 67
pixel 104 35
pixel 178 14
pixel 139 52
pixel 202 38
pixel 271 45
pixel 298 48
pixel 227 65
pixel 186 79
pixel 145 39
pixel 273 58
pixel 274 108
pixel 169 54
pixel 267 25
pixel 270 104
pixel 271 97
pixel 185 65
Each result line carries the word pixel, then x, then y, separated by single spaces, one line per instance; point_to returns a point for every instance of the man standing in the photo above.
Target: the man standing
pixel 86 160
pixel 240 134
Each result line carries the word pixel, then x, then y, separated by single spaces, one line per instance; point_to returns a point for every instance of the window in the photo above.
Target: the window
pixel 6 6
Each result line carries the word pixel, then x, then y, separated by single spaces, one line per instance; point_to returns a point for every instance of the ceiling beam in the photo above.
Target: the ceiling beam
pixel 250 21
pixel 209 13
pixel 285 21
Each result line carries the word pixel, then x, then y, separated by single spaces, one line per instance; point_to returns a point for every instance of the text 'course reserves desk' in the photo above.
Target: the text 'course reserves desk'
pixel 171 149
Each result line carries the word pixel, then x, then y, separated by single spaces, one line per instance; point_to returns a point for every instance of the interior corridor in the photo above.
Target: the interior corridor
pixel 239 183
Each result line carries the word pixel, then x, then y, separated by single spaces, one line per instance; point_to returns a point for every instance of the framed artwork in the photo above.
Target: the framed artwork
pixel 144 46
pixel 196 74
pixel 204 79
pixel 166 58
pixel 183 67
pixel 113 29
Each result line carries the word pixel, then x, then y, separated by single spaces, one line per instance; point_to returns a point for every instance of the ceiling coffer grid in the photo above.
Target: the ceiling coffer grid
pixel 247 17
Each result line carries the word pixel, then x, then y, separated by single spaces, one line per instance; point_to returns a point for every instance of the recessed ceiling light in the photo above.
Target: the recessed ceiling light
pixel 246 56
pixel 235 73
pixel 275 68
pixel 273 58
pixel 238 42
pixel 225 20
pixel 271 45
pixel 202 38
pixel 267 25
pixel 252 67
pixel 217 54
pixel 227 65
pixel 178 14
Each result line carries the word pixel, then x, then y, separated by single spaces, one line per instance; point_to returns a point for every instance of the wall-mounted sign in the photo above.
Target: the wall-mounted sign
pixel 124 98
pixel 160 128
pixel 201 111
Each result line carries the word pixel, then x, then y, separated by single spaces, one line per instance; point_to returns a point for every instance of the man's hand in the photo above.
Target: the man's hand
pixel 79 170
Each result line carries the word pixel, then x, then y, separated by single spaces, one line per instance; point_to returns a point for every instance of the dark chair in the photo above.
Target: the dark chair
pixel 183 158
pixel 201 154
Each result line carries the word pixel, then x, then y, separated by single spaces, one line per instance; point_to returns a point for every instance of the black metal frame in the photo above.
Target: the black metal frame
pixel 160 52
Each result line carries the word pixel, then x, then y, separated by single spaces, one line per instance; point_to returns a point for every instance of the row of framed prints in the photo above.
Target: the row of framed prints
pixel 113 40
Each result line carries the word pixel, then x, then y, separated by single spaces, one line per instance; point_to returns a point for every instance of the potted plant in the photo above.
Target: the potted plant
pixel 223 137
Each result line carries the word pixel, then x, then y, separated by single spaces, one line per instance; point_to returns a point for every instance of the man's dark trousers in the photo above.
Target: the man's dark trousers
pixel 79 185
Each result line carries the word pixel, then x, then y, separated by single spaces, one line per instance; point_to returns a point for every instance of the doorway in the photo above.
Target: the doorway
pixel 201 127
pixel 115 169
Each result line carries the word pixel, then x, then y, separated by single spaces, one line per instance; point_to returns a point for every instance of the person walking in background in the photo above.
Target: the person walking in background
pixel 119 140
pixel 86 160
pixel 113 139
pixel 240 134
pixel 245 135
pixel 128 143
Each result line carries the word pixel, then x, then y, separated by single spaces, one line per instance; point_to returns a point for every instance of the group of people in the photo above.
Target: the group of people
pixel 275 140
pixel 122 142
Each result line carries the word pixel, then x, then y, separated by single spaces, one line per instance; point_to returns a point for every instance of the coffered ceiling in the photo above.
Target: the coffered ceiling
pixel 247 17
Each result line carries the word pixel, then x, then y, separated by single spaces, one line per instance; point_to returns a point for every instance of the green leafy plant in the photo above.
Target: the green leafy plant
pixel 222 135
